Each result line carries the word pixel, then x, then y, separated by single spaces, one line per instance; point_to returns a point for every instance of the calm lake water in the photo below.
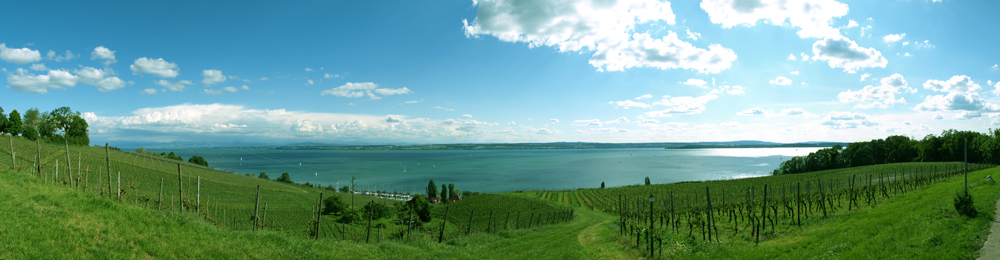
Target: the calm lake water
pixel 500 170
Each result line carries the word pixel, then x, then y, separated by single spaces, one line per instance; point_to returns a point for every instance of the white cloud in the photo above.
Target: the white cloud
pixel 39 67
pixel 158 67
pixel 757 111
pixel 605 28
pixel 173 86
pixel 732 90
pixel 60 58
pixel 681 105
pixel 844 53
pixel 804 56
pixel 995 66
pixel 864 76
pixel 587 122
pixel 309 82
pixel 962 95
pixel 553 121
pixel 965 115
pixel 103 53
pixel 996 89
pixel 212 77
pixel 466 116
pixel 695 82
pixel 230 89
pixel 924 44
pixel 414 101
pixel 308 69
pixel 693 35
pixel 938 116
pixel 263 79
pixel 626 104
pixel 620 120
pixel 109 84
pixel 812 17
pixel 330 76
pixel 891 38
pixel 391 119
pixel 444 108
pixel 356 90
pixel 958 83
pixel 20 55
pixel 851 24
pixel 24 81
pixel 148 91
pixel 511 123
pixel 781 80
pixel 791 56
pixel 847 120
pixel 796 113
pixel 794 72
pixel 644 96
pixel 213 92
pixel 881 96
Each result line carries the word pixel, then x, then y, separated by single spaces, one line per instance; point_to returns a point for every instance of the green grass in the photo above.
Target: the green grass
pixel 515 211
pixel 42 220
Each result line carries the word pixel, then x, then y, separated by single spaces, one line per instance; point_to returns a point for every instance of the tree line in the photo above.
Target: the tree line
pixel 56 126
pixel 948 147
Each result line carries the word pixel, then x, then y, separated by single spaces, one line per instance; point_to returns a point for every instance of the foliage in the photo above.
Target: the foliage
pixel 647 180
pixel 420 207
pixel 14 125
pixel 263 175
pixel 431 189
pixel 451 190
pixel 521 209
pixel 444 193
pixel 175 157
pixel 349 215
pixel 345 189
pixel 467 194
pixel 375 210
pixel 333 204
pixel 198 160
pixel 948 147
pixel 964 205
pixel 285 178
pixel 602 185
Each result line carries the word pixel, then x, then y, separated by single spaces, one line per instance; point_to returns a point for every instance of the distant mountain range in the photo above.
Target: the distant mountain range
pixel 470 146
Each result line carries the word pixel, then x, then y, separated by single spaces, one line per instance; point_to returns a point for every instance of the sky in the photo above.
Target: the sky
pixel 489 71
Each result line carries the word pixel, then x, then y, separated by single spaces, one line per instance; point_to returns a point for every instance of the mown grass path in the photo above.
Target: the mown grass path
pixel 991 249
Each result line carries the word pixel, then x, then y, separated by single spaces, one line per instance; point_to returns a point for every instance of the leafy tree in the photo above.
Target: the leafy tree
pixel 29 132
pixel 174 156
pixel 375 210
pixel 14 123
pixel 451 190
pixel 432 189
pixel 602 185
pixel 3 121
pixel 198 160
pixel 285 178
pixel 263 175
pixel 345 189
pixel 420 207
pixel 444 193
pixel 349 215
pixel 647 180
pixel 333 204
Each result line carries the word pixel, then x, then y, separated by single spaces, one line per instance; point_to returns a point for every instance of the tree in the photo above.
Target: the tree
pixel 285 178
pixel 14 123
pixel 263 175
pixel 375 210
pixel 647 180
pixel 432 189
pixel 29 132
pixel 333 204
pixel 602 185
pixel 451 190
pixel 345 189
pixel 198 160
pixel 3 122
pixel 421 207
pixel 444 193
pixel 349 215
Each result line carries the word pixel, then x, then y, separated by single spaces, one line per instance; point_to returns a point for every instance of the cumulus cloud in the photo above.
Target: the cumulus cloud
pixel 864 76
pixel 791 56
pixel 962 95
pixel 756 112
pixel 602 27
pixel 369 89
pixel 693 35
pixel 695 82
pixel 844 53
pixel 891 38
pixel 626 104
pixel 392 119
pixel 620 120
pixel 23 81
pixel 466 116
pixel 587 122
pixel 644 96
pixel 213 92
pixel 553 121
pixel 812 17
pixel 178 86
pixel 847 120
pixel 797 112
pixel 781 80
pixel 881 96
pixel 148 91
pixel 732 90
pixel 681 105
pixel 103 53
pixel 330 76
pixel 158 67
pixel 212 77
pixel 68 55
pixel 19 55
pixel 443 108
pixel 39 67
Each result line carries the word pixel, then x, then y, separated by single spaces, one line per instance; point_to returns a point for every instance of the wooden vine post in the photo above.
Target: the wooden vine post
pixel 319 212
pixel 11 139
pixel 197 207
pixel 256 207
pixel 107 158
pixel 69 167
pixel 180 187
pixel 159 203
pixel 441 236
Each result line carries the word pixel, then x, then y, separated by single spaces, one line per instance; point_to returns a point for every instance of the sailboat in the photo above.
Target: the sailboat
pixel 434 166
pixel 300 164
pixel 404 168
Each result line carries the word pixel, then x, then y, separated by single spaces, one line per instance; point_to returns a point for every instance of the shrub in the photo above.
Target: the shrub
pixel 963 204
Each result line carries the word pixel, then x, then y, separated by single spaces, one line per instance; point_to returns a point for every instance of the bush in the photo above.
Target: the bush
pixel 421 207
pixel 285 178
pixel 198 160
pixel 333 204
pixel 376 210
pixel 963 204
pixel 349 216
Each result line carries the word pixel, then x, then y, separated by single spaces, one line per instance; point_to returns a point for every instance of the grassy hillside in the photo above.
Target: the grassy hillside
pixel 508 212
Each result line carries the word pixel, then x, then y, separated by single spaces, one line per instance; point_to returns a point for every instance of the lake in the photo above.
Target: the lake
pixel 499 170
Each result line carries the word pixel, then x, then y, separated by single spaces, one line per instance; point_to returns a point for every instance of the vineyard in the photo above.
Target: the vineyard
pixel 744 209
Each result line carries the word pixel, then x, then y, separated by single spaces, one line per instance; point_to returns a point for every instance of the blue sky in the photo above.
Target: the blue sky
pixel 506 71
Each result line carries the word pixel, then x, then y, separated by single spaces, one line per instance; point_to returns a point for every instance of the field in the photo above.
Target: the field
pixel 882 211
